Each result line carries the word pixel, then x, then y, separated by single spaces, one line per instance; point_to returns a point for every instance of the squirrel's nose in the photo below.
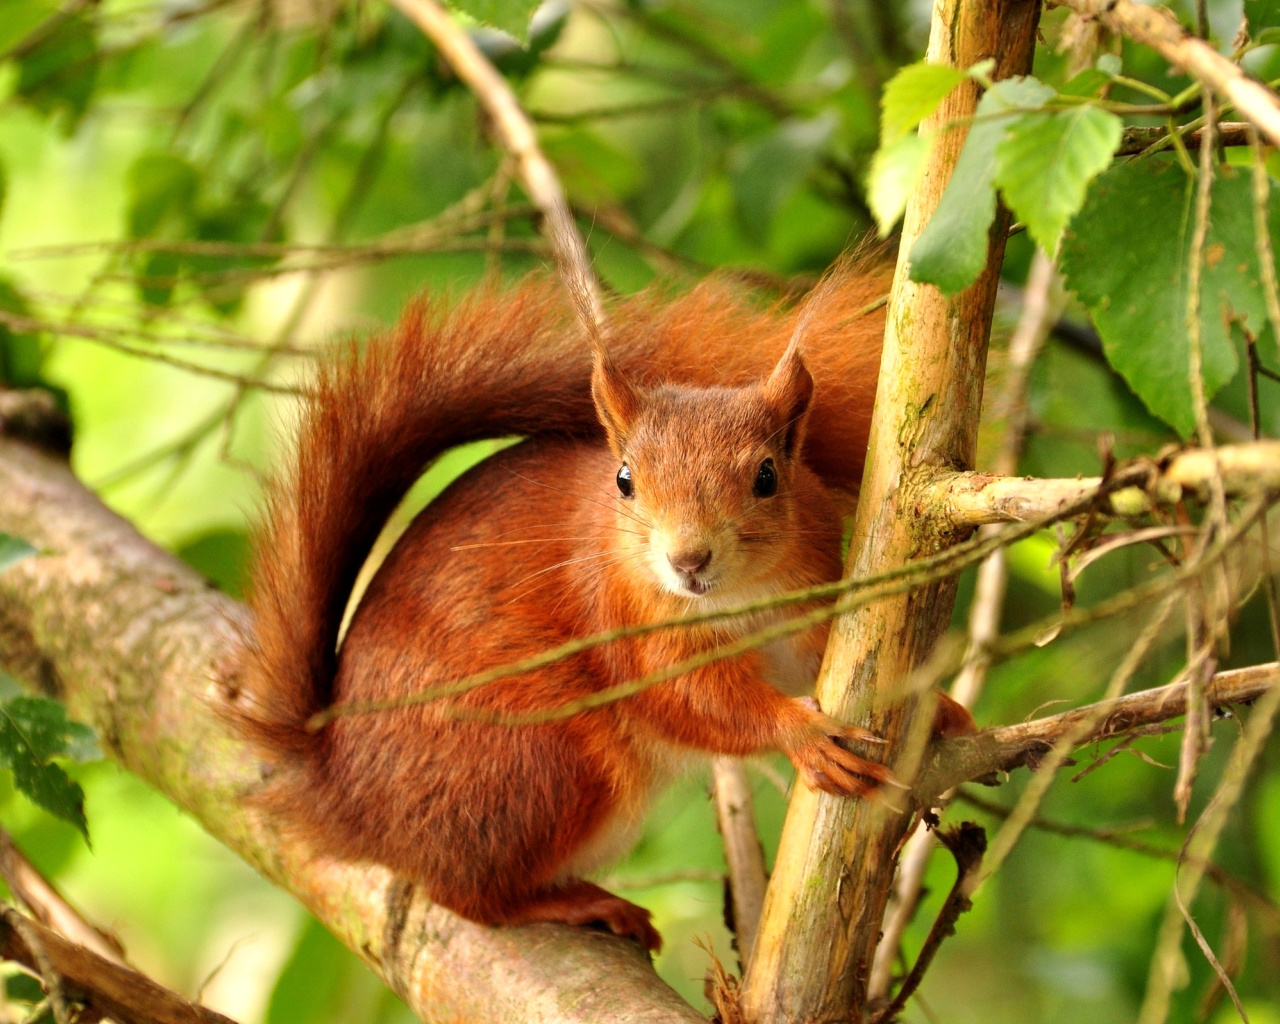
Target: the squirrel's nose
pixel 690 561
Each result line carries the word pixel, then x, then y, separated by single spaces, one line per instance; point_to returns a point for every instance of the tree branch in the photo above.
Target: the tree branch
pixel 971 499
pixel 107 988
pixel 1157 28
pixel 834 868
pixel 142 649
pixel 951 762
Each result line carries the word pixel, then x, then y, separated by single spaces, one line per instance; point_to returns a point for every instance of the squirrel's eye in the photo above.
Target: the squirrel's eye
pixel 766 480
pixel 624 480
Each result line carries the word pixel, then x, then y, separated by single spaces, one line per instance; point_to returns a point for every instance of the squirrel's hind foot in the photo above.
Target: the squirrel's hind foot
pixel 584 903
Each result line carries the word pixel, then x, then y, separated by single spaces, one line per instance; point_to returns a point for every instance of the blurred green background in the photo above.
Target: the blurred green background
pixel 691 136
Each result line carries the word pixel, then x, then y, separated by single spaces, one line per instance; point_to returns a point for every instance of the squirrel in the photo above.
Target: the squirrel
pixel 702 463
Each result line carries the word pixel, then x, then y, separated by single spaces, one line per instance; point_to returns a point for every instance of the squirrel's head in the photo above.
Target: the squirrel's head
pixel 707 477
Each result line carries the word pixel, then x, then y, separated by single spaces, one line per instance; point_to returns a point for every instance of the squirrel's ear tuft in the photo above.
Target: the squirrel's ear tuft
pixel 617 401
pixel 788 391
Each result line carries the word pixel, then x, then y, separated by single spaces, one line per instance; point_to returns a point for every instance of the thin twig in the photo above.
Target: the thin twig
pixel 518 137
pixel 43 902
pixel 1029 802
pixel 967 844
pixel 1119 838
pixel 41 961
pixel 1197 851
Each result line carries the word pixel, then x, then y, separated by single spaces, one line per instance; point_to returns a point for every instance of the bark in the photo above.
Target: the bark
pixel 835 864
pixel 1003 749
pixel 141 648
pixel 971 499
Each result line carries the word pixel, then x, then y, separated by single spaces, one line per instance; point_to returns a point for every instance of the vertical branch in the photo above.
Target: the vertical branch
pixel 1200 602
pixel 743 855
pixel 1040 307
pixel 834 870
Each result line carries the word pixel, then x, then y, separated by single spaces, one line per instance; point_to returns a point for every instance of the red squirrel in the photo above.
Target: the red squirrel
pixel 700 465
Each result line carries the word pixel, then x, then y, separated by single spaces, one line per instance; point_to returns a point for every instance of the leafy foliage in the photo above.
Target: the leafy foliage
pixel 1046 161
pixel 952 250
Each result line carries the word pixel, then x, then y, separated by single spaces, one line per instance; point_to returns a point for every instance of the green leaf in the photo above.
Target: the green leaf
pixel 60 71
pixel 33 730
pixel 1261 14
pixel 162 193
pixel 1089 82
pixel 1109 64
pixel 774 167
pixel 1126 256
pixel 1046 161
pixel 13 550
pixel 509 15
pixel 952 249
pixel 895 169
pixel 912 95
pixel 311 981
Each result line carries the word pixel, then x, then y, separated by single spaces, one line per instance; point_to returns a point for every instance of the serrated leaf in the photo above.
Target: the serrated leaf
pixel 952 250
pixel 912 95
pixel 1126 255
pixel 1046 161
pixel 33 730
pixel 895 169
pixel 13 550
pixel 510 16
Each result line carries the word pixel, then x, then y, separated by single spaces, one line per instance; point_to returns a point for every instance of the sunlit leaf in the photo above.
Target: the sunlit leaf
pixel 509 15
pixel 895 169
pixel 952 249
pixel 912 95
pixel 1046 161
pixel 1127 254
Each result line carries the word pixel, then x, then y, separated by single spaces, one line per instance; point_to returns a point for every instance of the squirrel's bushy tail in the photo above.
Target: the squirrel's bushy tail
pixel 495 365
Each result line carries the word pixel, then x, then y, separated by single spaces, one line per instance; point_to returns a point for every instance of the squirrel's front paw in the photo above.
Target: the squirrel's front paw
pixel 824 764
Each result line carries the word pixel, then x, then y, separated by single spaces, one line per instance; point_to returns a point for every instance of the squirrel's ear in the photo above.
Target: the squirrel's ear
pixel 788 391
pixel 617 401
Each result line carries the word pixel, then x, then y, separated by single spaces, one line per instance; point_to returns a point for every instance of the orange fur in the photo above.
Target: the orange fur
pixel 535 546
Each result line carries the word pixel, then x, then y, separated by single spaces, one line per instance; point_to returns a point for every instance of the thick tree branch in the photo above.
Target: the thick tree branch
pixel 971 499
pixel 952 762
pixel 834 869
pixel 1157 28
pixel 142 649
